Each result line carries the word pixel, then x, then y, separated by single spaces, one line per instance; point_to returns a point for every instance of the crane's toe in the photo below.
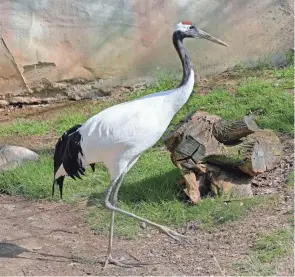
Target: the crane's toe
pixel 172 234
pixel 110 260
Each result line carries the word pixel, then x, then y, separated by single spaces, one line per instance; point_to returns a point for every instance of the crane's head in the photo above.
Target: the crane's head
pixel 186 29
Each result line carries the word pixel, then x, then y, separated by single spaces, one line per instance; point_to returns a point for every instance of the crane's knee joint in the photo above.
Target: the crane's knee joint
pixel 108 204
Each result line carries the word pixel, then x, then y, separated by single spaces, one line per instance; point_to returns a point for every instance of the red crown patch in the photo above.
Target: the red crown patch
pixel 187 22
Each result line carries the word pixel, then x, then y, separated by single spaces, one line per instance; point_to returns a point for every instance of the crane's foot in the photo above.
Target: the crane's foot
pixel 110 260
pixel 171 233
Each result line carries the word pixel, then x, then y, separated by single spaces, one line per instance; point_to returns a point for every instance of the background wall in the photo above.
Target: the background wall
pixel 121 41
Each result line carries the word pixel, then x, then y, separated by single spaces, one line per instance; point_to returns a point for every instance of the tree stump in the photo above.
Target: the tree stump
pixel 221 156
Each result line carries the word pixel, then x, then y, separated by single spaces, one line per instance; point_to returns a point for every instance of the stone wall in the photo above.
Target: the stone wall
pixel 126 41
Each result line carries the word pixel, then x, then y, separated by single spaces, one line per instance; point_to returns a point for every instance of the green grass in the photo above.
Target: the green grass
pixel 149 190
pixel 273 246
pixel 274 105
pixel 26 127
pixel 287 72
pixel 267 252
pixel 268 95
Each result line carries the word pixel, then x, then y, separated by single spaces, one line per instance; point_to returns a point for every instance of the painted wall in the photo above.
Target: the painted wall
pixel 121 41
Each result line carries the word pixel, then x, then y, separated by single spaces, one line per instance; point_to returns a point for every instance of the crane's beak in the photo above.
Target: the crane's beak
pixel 204 35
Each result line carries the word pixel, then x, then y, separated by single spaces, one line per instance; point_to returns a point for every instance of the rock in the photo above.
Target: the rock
pixel 3 103
pixel 12 156
pixel 143 225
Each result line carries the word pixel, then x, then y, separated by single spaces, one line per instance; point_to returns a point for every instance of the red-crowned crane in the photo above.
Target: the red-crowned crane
pixel 118 135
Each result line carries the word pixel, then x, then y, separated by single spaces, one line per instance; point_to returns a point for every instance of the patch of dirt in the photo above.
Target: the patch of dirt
pixel 47 238
pixel 274 181
pixel 227 80
pixel 45 112
pixel 35 143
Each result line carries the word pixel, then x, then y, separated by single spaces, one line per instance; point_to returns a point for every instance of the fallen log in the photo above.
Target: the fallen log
pixel 206 141
pixel 227 131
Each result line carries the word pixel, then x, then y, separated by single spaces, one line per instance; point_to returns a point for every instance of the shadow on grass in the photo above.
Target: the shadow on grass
pixel 153 190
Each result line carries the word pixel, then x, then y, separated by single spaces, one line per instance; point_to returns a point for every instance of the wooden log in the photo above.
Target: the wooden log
pixel 254 154
pixel 229 184
pixel 232 155
pixel 266 154
pixel 192 184
pixel 192 189
pixel 197 140
pixel 227 131
pixel 194 178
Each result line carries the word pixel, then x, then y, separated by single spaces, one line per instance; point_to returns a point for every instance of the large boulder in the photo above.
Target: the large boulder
pixel 12 156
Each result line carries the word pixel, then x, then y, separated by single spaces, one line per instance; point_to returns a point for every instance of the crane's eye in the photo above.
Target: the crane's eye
pixel 191 27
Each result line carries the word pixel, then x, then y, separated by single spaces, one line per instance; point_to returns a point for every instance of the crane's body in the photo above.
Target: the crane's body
pixel 117 136
pixel 115 140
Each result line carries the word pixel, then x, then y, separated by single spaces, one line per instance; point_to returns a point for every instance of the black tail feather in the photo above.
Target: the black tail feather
pixel 92 167
pixel 60 182
pixel 53 186
pixel 66 153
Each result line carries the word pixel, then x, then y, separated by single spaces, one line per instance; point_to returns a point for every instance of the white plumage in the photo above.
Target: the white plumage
pixel 121 133
pixel 118 135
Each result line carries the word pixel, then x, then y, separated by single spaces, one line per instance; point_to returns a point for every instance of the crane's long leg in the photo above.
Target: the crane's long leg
pixel 109 258
pixel 114 200
pixel 162 228
pixel 111 202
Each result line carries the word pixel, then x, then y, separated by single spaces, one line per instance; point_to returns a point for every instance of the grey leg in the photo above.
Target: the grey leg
pixel 113 208
pixel 111 202
pixel 113 197
pixel 112 194
pixel 162 228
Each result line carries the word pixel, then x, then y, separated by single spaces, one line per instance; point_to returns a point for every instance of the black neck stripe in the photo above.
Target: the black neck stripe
pixel 185 60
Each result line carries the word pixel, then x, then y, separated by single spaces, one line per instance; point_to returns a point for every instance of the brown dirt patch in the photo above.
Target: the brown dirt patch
pixel 35 143
pixel 38 112
pixel 274 181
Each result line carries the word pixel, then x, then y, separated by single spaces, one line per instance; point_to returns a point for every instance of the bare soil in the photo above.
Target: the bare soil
pixel 46 238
